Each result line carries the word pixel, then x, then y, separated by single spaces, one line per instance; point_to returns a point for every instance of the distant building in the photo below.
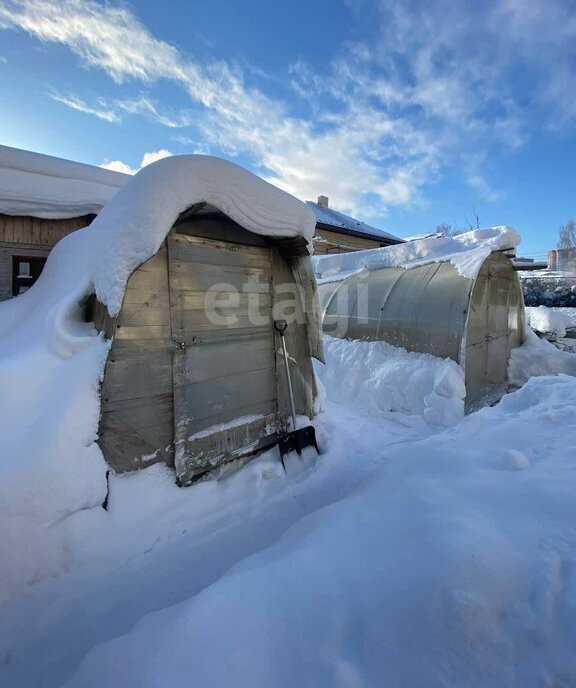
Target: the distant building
pixel 562 259
pixel 339 233
pixel 521 263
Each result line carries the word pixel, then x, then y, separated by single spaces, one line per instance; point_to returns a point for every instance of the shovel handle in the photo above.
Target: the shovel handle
pixel 280 326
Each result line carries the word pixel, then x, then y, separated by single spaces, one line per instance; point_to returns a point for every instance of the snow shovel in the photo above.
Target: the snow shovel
pixel 297 439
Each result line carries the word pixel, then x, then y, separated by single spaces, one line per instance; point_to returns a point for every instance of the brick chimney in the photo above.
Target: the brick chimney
pixel 323 201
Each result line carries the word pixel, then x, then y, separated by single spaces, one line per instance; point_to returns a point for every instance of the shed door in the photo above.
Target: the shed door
pixel 225 398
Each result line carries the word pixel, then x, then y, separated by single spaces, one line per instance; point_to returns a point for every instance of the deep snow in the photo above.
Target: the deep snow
pixel 546 321
pixel 538 357
pixel 453 564
pixel 399 557
pixel 378 376
pixel 551 321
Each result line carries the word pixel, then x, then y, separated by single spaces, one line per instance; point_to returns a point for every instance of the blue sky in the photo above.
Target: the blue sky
pixel 405 113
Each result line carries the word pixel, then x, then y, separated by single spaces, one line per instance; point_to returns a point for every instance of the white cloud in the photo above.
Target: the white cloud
pixel 486 192
pixel 144 105
pixel 102 111
pixel 434 85
pixel 357 152
pixel 153 156
pixel 113 110
pixel 147 159
pixel 119 166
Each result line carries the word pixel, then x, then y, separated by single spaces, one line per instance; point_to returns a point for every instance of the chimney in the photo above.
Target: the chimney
pixel 323 201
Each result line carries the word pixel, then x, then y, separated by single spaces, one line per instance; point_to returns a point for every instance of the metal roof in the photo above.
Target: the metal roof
pixel 349 225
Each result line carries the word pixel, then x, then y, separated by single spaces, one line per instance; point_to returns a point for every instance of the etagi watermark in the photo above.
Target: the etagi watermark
pixel 258 303
pixel 255 303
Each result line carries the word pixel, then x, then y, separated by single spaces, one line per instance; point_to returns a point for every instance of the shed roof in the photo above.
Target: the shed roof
pixel 345 224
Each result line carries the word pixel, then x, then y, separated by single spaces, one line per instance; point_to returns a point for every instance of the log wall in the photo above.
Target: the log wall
pixel 31 237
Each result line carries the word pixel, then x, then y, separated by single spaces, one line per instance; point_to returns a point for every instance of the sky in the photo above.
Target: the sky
pixel 406 113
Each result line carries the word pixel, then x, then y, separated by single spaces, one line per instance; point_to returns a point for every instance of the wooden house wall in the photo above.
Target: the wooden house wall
pixel 31 237
pixel 337 242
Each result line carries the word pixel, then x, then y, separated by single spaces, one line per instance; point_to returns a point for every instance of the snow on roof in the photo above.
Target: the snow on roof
pixel 466 252
pixel 419 237
pixel 51 361
pixel 52 188
pixel 133 225
pixel 347 224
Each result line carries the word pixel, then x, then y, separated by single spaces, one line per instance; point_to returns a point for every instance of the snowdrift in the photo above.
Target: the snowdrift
pixel 538 357
pixel 51 362
pixel 453 565
pixel 551 321
pixel 379 377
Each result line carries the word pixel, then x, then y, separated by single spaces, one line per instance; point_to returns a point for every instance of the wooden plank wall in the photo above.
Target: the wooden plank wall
pixel 228 368
pixel 137 420
pixel 37 231
pixel 326 241
pixel 30 236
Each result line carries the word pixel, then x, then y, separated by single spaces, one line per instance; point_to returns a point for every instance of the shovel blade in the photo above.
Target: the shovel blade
pixel 297 441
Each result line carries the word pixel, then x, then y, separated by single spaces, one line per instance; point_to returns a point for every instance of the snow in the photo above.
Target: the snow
pixel 546 320
pixel 133 225
pixel 378 376
pixel 51 362
pixel 422 548
pixel 52 188
pixel 442 561
pixel 538 357
pixel 406 554
pixel 569 315
pixel 466 252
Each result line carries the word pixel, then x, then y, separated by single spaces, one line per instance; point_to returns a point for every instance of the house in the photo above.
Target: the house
pixel 562 259
pixel 339 233
pixel 42 199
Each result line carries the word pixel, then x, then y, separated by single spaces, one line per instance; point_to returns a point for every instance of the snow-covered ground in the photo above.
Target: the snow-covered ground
pixel 422 548
pixel 405 555
pixel 551 321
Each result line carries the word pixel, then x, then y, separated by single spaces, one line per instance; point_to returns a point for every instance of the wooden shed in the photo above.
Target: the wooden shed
pixel 194 376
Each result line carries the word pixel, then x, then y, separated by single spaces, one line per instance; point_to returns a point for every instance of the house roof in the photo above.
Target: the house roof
pixel 44 186
pixel 345 224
